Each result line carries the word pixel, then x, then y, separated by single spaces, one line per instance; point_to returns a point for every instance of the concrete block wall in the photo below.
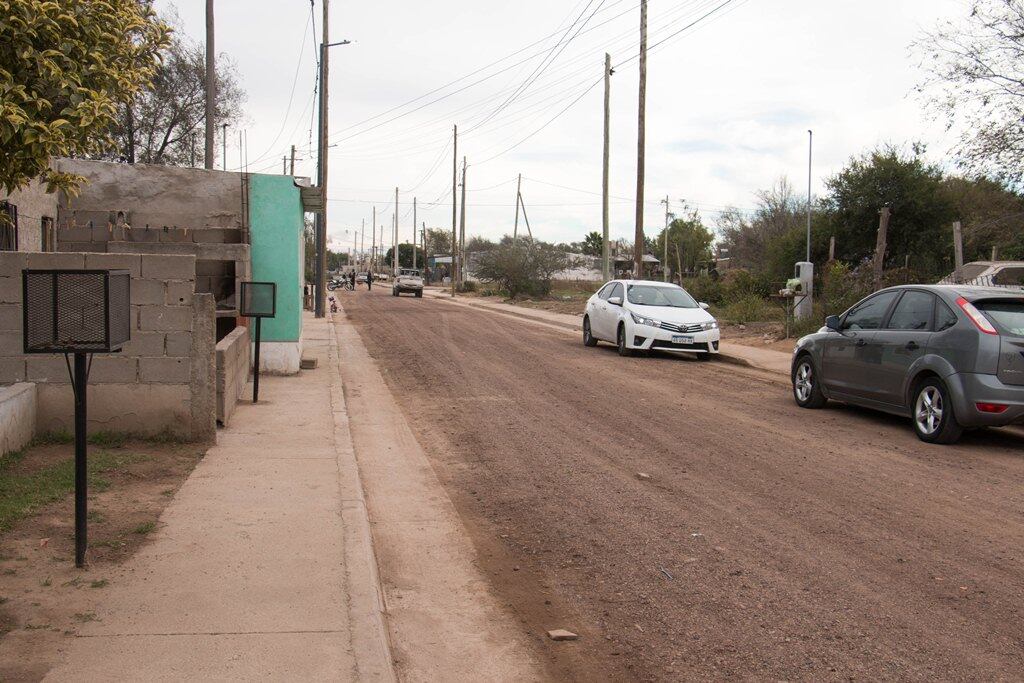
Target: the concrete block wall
pixel 233 365
pixel 160 382
pixel 17 416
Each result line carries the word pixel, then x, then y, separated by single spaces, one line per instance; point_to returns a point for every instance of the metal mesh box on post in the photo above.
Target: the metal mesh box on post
pixel 259 300
pixel 76 311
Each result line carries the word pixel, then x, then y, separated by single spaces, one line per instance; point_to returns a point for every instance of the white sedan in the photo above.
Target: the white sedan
pixel 645 315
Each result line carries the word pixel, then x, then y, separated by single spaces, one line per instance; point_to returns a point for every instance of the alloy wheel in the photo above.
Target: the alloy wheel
pixel 804 382
pixel 928 410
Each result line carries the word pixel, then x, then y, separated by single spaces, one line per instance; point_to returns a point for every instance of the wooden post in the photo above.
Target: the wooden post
pixel 414 233
pixel 638 236
pixel 515 227
pixel 958 252
pixel 462 227
pixel 605 267
pixel 455 182
pixel 292 172
pixel 832 248
pixel 883 228
pixel 211 88
pixel 664 265
pixel 995 253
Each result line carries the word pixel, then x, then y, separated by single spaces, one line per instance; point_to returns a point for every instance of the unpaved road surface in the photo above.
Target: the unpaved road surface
pixel 768 542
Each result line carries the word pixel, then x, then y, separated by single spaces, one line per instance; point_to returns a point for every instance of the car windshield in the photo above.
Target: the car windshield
pixel 653 295
pixel 1007 315
pixel 411 273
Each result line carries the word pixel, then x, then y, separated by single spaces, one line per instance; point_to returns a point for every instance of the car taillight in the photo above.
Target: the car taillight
pixel 979 320
pixel 991 407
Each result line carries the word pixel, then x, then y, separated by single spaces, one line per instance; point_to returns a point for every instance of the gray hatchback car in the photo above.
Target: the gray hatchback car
pixel 949 357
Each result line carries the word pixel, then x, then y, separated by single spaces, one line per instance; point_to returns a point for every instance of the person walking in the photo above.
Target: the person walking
pixel 369 280
pixel 352 279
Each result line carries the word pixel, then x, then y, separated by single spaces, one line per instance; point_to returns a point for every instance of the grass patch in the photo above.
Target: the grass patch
pixel 144 528
pixel 46 583
pixel 22 494
pixel 57 437
pixel 85 617
pixel 108 439
pixel 99 583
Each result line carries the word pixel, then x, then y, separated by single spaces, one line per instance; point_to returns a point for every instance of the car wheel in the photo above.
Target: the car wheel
pixel 621 342
pixel 588 338
pixel 933 416
pixel 419 294
pixel 703 357
pixel 806 389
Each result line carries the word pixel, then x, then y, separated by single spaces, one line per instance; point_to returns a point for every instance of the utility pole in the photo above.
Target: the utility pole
pixel 414 233
pixel 455 176
pixel 394 254
pixel 292 167
pixel 605 265
pixel 192 149
pixel 883 228
pixel 515 228
pixel 284 165
pixel 958 253
pixel 665 263
pixel 638 238
pixel 462 227
pixel 362 242
pixel 810 149
pixel 211 87
pixel 224 146
pixel 373 242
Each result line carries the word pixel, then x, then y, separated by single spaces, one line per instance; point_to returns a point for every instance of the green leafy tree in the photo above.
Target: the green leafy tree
pixel 522 267
pixel 405 257
pixel 65 67
pixel 592 244
pixel 689 242
pixel 439 241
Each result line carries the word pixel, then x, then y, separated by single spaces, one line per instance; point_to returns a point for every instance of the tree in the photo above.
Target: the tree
pixel 991 212
pixel 65 67
pixel 921 218
pixel 405 257
pixel 477 243
pixel 593 244
pixel 439 241
pixel 689 242
pixel 976 83
pixel 748 240
pixel 164 123
pixel 523 267
pixel 336 259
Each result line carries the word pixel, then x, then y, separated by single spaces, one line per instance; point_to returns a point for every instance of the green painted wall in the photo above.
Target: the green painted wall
pixel 275 224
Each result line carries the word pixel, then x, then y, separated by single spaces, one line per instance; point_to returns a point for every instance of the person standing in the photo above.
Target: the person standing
pixel 369 280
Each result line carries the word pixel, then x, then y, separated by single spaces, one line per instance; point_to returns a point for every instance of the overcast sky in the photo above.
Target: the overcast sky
pixel 729 101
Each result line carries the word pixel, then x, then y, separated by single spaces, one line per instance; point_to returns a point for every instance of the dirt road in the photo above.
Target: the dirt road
pixel 768 542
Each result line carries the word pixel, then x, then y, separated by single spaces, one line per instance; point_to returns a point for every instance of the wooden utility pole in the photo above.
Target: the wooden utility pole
pixel 414 233
pixel 958 252
pixel 394 254
pixel 515 228
pixel 373 242
pixel 638 238
pixel 211 88
pixel 284 165
pixel 321 170
pixel 664 265
pixel 362 242
pixel 605 264
pixel 462 227
pixel 292 167
pixel 883 228
pixel 455 198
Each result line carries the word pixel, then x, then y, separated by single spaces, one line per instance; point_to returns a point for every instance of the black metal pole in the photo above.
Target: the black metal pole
pixel 81 471
pixel 256 365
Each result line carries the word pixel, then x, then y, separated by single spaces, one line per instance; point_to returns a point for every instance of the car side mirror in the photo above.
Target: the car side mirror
pixel 832 323
pixel 704 305
pixel 615 300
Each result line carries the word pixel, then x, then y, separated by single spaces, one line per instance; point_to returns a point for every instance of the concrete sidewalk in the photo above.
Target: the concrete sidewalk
pixel 767 360
pixel 262 565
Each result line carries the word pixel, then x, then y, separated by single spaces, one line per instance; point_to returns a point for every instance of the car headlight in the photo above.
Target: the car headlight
pixel 641 320
pixel 712 325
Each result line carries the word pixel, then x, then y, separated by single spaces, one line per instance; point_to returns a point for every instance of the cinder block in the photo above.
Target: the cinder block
pixel 10 290
pixel 11 343
pixel 179 293
pixel 75 234
pixel 56 261
pixel 168 267
pixel 10 317
pixel 178 344
pixel 12 370
pixel 145 344
pixel 148 292
pixel 129 262
pixel 141 234
pixel 47 368
pixel 12 263
pixel 79 247
pixel 174 235
pixel 113 369
pixel 164 370
pixel 101 230
pixel 165 318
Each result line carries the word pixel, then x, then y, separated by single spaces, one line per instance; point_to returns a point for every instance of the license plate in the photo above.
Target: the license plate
pixel 682 339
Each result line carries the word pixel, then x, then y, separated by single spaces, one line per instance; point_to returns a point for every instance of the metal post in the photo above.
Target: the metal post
pixel 211 89
pixel 256 365
pixel 664 266
pixel 81 468
pixel 810 148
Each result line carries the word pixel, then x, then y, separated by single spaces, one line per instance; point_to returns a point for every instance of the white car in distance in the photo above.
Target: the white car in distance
pixel 644 315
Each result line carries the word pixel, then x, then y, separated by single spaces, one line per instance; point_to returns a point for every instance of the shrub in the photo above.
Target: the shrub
pixel 522 267
pixel 748 309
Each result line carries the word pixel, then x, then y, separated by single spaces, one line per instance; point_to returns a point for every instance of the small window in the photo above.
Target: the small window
pixel 606 291
pixel 616 290
pixel 8 227
pixel 869 314
pixel 49 236
pixel 913 312
pixel 945 318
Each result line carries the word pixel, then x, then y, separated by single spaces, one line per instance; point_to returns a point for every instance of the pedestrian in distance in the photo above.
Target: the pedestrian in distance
pixel 369 281
pixel 352 279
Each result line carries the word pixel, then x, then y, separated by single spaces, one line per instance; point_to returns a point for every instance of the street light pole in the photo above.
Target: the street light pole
pixel 810 149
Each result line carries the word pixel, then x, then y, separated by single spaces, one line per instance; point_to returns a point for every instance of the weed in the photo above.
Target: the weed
pixel 96 516
pixel 105 439
pixel 3 600
pixel 145 528
pixel 10 572
pixel 114 543
pixel 75 582
pixel 85 617
pixel 59 436
pixel 99 583
pixel 167 492
pixel 46 583
pixel 36 627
